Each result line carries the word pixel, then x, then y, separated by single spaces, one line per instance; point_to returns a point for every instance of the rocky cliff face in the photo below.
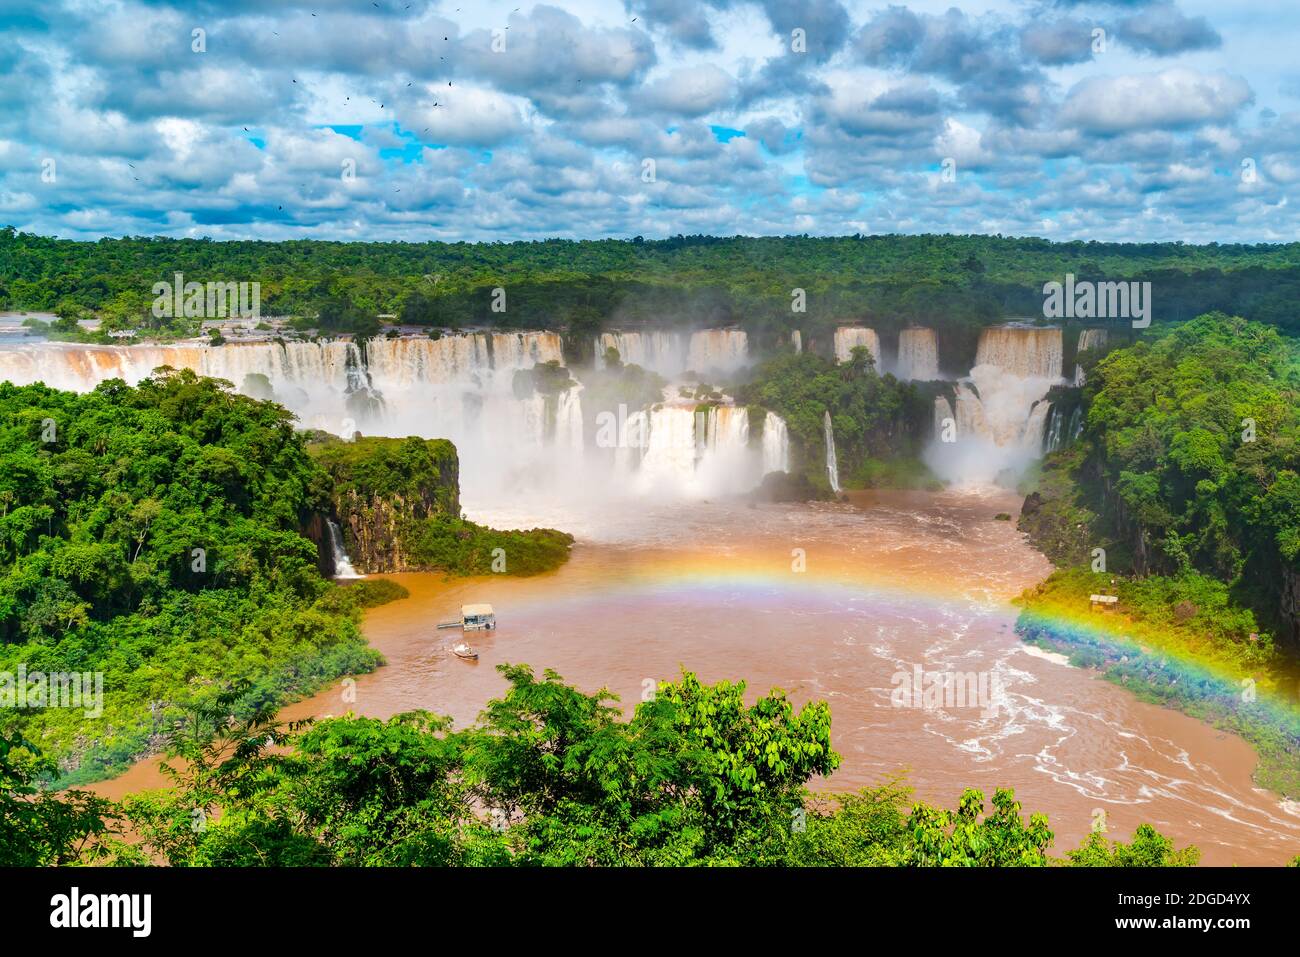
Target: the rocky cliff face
pixel 383 490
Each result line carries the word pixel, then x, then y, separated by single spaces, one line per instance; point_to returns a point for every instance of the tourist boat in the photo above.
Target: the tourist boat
pixel 477 618
pixel 473 618
pixel 463 650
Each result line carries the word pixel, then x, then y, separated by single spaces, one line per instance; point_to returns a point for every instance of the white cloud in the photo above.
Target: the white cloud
pixel 1177 97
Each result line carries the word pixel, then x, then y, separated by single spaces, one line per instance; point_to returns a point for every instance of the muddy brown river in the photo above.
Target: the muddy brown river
pixel 836 602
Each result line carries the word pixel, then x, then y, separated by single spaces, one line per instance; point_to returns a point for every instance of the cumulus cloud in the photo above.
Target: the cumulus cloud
pixel 1164 30
pixel 1176 97
pixel 689 91
pixel 1056 42
pixel 761 116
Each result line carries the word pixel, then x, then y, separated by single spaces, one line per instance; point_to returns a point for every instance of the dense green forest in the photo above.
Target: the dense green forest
pixel 161 536
pixel 1187 479
pixel 1189 464
pixel 548 776
pixel 951 283
pixel 881 424
pixel 398 501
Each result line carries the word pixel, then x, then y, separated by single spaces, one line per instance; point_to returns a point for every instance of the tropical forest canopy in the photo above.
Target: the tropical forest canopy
pixel 581 286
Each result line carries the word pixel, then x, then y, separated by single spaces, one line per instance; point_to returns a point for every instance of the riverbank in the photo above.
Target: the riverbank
pixel 832 601
pixel 1170 652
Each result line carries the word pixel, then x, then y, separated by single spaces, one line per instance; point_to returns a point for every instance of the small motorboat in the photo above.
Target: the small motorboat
pixel 463 650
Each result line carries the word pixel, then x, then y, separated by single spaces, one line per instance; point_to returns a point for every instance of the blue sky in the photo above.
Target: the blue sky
pixel 382 119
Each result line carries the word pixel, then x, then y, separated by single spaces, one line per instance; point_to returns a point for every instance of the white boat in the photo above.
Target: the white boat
pixel 477 618
pixel 463 650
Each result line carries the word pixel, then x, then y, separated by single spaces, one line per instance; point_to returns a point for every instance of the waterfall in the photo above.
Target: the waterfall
pixel 671 353
pixel 1001 408
pixel 512 441
pixel 568 420
pixel 1032 437
pixel 942 414
pixel 691 451
pixel 832 466
pixel 971 420
pixel 1076 423
pixel 847 337
pixel 1055 423
pixel 342 565
pixel 776 444
pixel 1089 339
pixel 796 340
pixel 660 351
pixel 918 355
pixel 721 350
pixel 1022 351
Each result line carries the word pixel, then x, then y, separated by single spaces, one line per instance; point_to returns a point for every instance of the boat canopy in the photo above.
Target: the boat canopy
pixel 476 611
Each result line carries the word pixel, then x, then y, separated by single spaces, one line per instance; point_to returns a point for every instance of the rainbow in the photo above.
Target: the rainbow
pixel 1171 677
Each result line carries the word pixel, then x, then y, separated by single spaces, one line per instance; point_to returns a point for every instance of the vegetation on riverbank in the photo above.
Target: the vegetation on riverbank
pixel 1182 643
pixel 151 535
pixel 548 776
pixel 1182 498
pixel 880 423
pixel 155 541
pixel 398 503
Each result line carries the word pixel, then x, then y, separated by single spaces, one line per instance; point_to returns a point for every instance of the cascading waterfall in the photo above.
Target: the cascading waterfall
pixel 776 444
pixel 918 355
pixel 660 351
pixel 697 451
pixel 1055 424
pixel 1032 436
pixel 848 337
pixel 1026 352
pixel 342 564
pixel 1001 409
pixel 717 350
pixel 1076 423
pixel 671 353
pixel 1089 339
pixel 943 414
pixel 832 465
pixel 1092 339
pixel 796 340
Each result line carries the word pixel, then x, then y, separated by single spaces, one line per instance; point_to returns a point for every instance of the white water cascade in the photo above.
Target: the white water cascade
pixel 796 340
pixel 1055 425
pixel 776 444
pixel 943 415
pixel 1001 410
pixel 717 350
pixel 848 337
pixel 660 351
pixel 684 450
pixel 832 465
pixel 670 353
pixel 918 355
pixel 1089 339
pixel 342 564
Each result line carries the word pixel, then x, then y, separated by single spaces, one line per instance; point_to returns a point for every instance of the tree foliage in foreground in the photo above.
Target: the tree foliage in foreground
pixel 552 776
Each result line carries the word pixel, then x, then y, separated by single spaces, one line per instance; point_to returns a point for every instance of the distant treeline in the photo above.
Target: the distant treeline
pixel 952 283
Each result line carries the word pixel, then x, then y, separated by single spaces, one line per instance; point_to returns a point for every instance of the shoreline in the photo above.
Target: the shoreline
pixel 539 631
